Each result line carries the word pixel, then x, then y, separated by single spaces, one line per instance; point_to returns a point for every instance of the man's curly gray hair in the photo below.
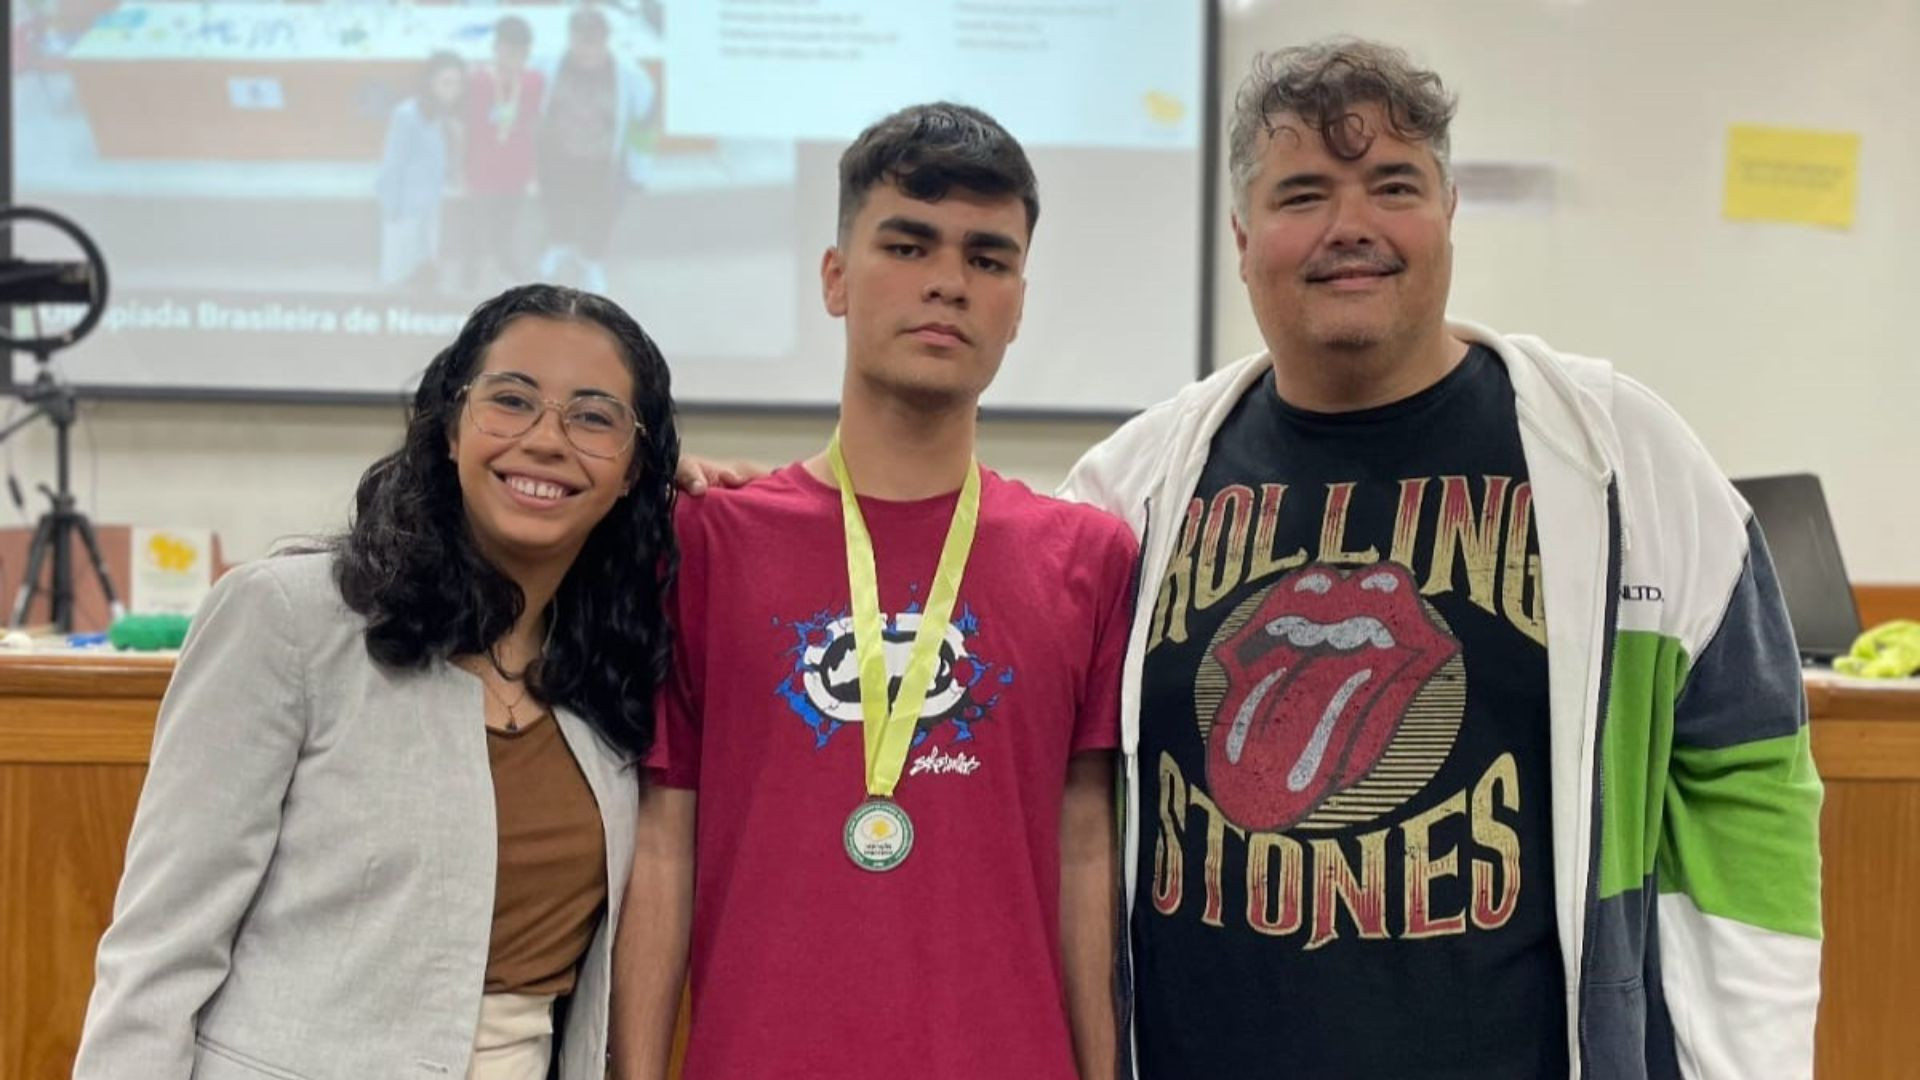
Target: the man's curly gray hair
pixel 1321 84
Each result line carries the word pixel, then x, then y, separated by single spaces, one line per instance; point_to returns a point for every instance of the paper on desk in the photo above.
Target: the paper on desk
pixel 171 570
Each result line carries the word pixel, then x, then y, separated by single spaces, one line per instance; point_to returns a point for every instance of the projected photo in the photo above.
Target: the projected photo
pixel 296 196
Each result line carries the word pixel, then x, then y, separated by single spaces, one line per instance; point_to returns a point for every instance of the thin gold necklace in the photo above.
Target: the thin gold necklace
pixel 493 660
pixel 513 718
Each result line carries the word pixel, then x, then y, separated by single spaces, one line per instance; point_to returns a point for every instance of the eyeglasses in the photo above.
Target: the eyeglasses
pixel 505 407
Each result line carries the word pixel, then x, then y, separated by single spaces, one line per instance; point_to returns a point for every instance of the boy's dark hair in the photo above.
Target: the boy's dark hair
pixel 927 150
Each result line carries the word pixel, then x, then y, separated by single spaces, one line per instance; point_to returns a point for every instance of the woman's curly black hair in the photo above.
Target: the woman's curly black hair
pixel 410 563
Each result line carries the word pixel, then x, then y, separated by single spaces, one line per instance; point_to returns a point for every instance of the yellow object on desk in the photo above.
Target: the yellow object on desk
pixel 1888 651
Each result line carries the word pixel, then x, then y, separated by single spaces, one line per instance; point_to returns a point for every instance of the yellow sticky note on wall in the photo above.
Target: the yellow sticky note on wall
pixel 1782 174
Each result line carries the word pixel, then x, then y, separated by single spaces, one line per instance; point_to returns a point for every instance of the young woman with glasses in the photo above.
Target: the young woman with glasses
pixel 389 812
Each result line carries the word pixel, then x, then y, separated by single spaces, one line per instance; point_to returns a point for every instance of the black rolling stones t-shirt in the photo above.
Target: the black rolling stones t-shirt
pixel 1345 848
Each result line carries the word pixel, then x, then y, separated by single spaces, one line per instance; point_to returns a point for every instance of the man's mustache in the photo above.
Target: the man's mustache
pixel 1349 265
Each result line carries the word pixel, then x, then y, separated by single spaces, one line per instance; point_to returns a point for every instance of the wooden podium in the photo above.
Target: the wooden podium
pixel 1866 743
pixel 74 735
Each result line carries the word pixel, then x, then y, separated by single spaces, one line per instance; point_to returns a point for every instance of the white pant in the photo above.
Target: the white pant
pixel 515 1037
pixel 407 244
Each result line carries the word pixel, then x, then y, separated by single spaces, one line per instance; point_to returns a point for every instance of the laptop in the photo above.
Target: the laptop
pixel 1792 514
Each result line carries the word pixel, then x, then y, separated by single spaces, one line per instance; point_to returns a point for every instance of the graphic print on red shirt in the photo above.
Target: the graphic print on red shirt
pixel 824 689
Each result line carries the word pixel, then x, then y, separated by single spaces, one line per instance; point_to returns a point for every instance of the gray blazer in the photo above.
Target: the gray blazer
pixel 308 892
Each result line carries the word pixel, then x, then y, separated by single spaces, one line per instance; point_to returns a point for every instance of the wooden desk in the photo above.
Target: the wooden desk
pixel 74 736
pixel 1866 741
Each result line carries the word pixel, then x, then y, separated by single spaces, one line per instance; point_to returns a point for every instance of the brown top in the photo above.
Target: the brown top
pixel 552 879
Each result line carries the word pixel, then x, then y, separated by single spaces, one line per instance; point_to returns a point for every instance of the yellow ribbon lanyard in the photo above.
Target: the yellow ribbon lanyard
pixel 889 733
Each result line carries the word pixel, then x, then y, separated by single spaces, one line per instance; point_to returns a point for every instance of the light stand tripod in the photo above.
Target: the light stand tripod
pixel 81 284
pixel 58 526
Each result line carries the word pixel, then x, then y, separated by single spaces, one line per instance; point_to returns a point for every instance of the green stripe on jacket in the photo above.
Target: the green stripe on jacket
pixel 1735 828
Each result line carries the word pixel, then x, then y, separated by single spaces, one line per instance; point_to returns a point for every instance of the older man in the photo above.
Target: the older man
pixel 1464 724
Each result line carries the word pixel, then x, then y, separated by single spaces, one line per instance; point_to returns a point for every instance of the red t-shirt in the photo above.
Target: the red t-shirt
pixel 948 966
pixel 500 128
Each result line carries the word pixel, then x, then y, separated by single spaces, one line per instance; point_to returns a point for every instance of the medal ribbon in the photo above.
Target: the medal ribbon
pixel 889 732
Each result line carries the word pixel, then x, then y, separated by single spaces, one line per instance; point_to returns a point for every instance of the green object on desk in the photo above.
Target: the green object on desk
pixel 148 633
pixel 1888 651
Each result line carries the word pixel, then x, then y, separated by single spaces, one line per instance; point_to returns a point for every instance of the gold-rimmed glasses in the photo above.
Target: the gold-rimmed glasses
pixel 506 407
